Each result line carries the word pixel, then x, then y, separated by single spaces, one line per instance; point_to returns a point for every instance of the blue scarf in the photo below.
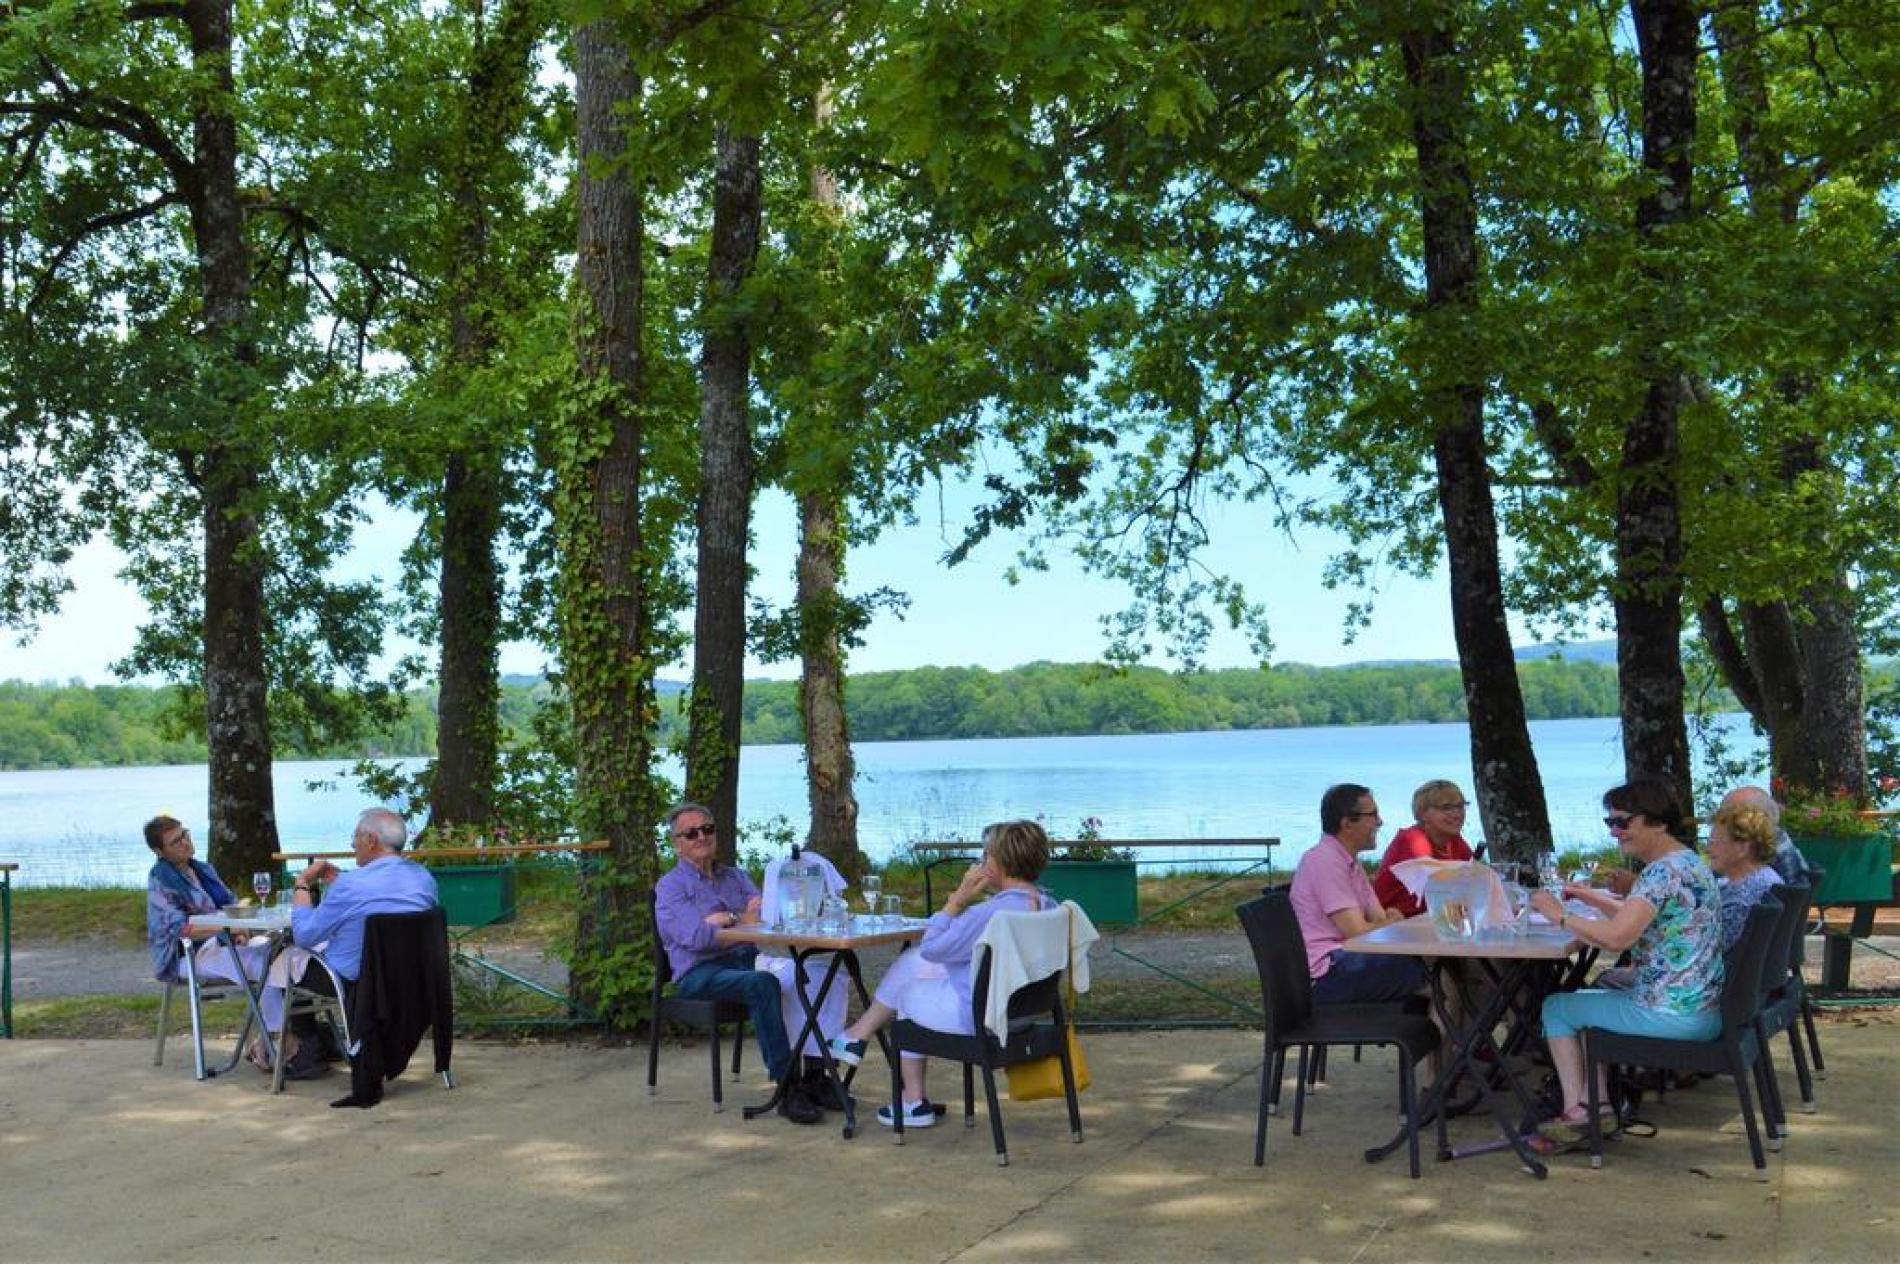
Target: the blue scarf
pixel 168 874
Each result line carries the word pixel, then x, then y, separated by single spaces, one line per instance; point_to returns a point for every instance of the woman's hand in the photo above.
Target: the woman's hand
pixel 976 880
pixel 1547 904
pixel 1602 902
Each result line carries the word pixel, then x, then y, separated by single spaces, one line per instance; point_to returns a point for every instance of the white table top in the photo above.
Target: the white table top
pixel 272 919
pixel 1414 937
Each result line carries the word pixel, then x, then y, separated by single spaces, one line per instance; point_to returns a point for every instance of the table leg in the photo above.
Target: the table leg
pixel 810 1004
pixel 252 1012
pixel 1463 1044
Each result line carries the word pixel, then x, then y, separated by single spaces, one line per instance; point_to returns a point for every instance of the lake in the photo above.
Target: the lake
pixel 81 826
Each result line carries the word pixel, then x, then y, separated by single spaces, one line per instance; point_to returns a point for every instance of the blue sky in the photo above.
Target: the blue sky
pixel 969 616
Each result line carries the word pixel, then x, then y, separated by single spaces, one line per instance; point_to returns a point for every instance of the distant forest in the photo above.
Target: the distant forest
pixel 79 726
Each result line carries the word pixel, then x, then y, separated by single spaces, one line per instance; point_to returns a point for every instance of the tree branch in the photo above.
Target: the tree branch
pixel 1551 432
pixel 98 223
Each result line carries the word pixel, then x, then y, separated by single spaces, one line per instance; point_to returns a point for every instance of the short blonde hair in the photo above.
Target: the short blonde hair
pixel 1019 848
pixel 1751 825
pixel 1424 796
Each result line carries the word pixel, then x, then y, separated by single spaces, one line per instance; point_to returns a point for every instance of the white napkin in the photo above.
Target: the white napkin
pixel 1414 874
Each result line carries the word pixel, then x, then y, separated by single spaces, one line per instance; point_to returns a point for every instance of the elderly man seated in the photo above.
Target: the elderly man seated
pixel 696 904
pixel 1334 901
pixel 384 881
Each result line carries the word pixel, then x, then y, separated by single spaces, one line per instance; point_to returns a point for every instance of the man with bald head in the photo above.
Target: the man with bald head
pixel 384 881
pixel 1788 861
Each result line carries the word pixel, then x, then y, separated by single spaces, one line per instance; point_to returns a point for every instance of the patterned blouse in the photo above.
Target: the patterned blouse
pixel 1739 897
pixel 1678 958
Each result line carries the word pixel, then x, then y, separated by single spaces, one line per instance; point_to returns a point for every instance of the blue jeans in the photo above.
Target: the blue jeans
pixel 731 977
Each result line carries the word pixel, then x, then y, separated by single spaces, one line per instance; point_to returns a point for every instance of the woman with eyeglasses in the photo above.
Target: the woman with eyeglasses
pixel 1438 813
pixel 180 885
pixel 1671 922
pixel 1742 841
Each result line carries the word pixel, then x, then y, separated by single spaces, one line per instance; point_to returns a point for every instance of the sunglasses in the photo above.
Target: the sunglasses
pixel 699 831
pixel 1618 822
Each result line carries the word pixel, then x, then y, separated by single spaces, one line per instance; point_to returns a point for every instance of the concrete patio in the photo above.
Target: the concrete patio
pixel 555 1152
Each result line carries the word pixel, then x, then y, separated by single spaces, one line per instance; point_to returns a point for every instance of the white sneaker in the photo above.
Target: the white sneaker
pixel 916 1114
pixel 849 1052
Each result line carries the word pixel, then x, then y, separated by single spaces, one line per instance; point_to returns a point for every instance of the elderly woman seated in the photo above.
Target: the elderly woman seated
pixel 1742 840
pixel 180 885
pixel 1672 924
pixel 931 986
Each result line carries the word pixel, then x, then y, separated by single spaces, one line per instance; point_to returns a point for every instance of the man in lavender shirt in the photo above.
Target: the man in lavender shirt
pixel 1333 900
pixel 694 906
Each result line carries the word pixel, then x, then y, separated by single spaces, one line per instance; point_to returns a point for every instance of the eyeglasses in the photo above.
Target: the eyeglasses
pixel 182 836
pixel 1618 823
pixel 1354 816
pixel 1456 805
pixel 698 831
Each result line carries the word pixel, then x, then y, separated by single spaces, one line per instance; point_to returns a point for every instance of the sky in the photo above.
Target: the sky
pixel 966 616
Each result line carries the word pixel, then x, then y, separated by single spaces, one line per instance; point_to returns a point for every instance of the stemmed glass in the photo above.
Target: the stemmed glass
pixel 1547 873
pixel 260 884
pixel 873 887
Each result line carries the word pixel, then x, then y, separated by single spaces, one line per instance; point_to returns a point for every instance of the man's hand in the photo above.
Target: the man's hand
pixel 721 919
pixel 751 915
pixel 1387 915
pixel 319 871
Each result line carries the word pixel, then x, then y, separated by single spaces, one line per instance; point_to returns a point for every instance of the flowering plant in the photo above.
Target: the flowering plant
pixel 1088 844
pixel 1829 814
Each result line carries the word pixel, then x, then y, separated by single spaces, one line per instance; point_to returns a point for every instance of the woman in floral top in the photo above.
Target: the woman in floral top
pixel 1672 924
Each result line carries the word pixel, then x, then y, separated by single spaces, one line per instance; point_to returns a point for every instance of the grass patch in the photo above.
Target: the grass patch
pixel 45 914
pixel 118 1018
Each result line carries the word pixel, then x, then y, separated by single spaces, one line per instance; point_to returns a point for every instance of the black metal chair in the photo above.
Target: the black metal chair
pixel 692 1012
pixel 1292 1021
pixel 1038 1028
pixel 1737 1051
pixel 1798 960
pixel 1783 990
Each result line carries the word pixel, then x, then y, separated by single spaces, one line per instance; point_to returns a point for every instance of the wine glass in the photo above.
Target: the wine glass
pixel 873 887
pixel 1547 873
pixel 893 909
pixel 260 883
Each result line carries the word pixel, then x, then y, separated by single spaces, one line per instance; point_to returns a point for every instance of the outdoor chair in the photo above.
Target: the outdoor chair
pixel 709 1014
pixel 1293 1021
pixel 301 997
pixel 404 988
pixel 1782 987
pixel 1737 1051
pixel 1798 960
pixel 1038 1028
pixel 197 991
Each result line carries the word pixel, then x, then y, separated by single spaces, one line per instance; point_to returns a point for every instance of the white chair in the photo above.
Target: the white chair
pixel 200 991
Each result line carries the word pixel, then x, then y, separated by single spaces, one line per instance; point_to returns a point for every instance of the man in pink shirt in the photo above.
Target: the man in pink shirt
pixel 1333 900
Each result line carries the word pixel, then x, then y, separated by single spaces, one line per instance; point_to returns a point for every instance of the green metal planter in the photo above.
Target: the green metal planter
pixel 476 895
pixel 1858 869
pixel 1104 888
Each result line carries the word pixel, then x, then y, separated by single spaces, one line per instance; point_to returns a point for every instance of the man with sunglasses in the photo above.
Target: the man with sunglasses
pixel 695 904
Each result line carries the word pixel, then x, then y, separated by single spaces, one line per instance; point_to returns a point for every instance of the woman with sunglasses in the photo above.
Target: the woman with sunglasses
pixel 1671 922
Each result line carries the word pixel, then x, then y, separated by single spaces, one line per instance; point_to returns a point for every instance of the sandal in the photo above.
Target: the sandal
pixel 1573 1132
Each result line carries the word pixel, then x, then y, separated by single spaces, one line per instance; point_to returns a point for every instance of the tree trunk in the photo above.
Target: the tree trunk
pixel 1509 788
pixel 242 814
pixel 829 767
pixel 725 494
pixel 469 601
pixel 1797 667
pixel 1648 586
pixel 473 489
pixel 603 590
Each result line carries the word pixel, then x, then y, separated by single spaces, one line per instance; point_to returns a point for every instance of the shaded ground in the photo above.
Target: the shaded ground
pixel 556 1152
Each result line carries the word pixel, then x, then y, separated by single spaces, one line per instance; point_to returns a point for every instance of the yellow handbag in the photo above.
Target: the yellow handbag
pixel 1042 1077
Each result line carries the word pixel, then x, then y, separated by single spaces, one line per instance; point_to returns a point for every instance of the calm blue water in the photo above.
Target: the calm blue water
pixel 81 826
